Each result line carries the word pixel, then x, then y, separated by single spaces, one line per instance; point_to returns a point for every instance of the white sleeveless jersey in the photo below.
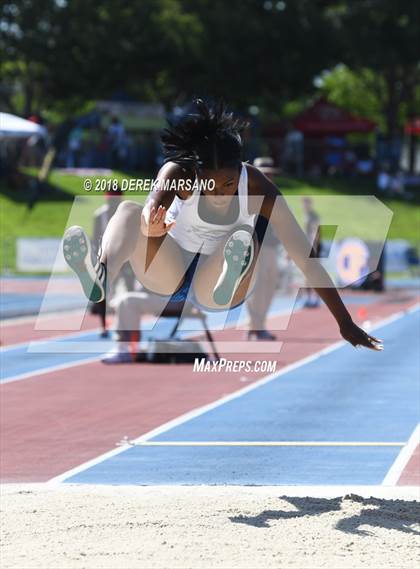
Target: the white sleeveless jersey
pixel 193 233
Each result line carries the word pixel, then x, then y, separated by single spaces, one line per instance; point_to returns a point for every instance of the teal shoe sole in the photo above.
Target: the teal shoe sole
pixel 77 253
pixel 238 256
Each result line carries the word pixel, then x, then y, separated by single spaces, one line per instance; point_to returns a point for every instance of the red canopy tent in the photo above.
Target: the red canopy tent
pixel 324 118
pixel 413 126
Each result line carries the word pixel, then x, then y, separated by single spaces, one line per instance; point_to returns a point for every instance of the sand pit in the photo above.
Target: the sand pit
pixel 95 527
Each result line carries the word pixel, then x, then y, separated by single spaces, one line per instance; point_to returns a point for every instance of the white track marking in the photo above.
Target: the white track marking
pixel 205 408
pixel 195 413
pixel 262 444
pixel 315 491
pixel 394 473
pixel 67 335
pixel 50 369
pixel 19 320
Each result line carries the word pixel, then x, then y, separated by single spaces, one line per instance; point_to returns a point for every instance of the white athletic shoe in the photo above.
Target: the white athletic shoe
pixel 78 255
pixel 238 256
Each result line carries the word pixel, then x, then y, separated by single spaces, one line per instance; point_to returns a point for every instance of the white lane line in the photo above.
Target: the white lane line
pixel 49 369
pixel 193 414
pixel 66 336
pixel 304 491
pixel 394 473
pixel 205 408
pixel 129 443
pixel 19 320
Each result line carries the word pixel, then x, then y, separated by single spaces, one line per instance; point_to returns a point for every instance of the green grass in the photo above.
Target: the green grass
pixel 405 222
pixel 65 202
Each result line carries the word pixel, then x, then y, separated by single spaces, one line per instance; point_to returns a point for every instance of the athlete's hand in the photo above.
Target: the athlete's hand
pixel 358 337
pixel 156 226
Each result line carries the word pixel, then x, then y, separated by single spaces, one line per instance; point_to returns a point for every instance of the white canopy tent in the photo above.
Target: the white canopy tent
pixel 12 126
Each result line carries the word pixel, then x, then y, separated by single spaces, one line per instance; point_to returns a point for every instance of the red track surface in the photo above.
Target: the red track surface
pixel 18 285
pixel 24 331
pixel 56 421
pixel 411 474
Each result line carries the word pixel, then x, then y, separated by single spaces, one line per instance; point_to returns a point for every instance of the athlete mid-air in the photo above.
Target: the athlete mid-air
pixel 204 236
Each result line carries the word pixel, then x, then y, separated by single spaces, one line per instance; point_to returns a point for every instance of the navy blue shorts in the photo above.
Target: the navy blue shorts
pixel 181 294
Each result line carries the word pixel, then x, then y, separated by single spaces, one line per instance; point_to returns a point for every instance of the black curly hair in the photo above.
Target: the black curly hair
pixel 209 138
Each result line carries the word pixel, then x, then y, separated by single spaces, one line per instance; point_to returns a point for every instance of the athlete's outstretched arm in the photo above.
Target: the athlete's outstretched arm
pixel 286 228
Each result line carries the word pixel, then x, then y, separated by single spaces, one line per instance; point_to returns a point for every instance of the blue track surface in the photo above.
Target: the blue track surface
pixel 13 304
pixel 22 359
pixel 346 395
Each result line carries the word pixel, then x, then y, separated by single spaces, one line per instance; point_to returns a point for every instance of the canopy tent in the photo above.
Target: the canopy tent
pixel 324 118
pixel 413 126
pixel 12 126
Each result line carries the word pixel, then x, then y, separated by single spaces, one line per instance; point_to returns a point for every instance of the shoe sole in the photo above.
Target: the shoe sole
pixel 238 256
pixel 77 253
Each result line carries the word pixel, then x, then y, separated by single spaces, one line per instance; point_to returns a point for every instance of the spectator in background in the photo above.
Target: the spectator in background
pixel 350 162
pixel 33 151
pixel 259 302
pixel 364 166
pixel 95 140
pixel 413 260
pixel 334 155
pixel 397 183
pixel 313 233
pixel 383 180
pixel 391 183
pixel 293 150
pixel 118 143
pixel 74 147
pixel 103 149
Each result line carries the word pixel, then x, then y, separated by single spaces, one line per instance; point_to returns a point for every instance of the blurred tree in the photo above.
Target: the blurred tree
pixel 260 52
pixel 61 54
pixel 360 91
pixel 74 50
pixel 25 28
pixel 251 53
pixel 379 41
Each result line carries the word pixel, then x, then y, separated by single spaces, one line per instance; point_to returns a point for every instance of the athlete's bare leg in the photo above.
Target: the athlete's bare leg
pixel 123 241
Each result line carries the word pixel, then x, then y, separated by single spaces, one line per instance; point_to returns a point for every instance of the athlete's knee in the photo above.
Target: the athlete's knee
pixel 129 208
